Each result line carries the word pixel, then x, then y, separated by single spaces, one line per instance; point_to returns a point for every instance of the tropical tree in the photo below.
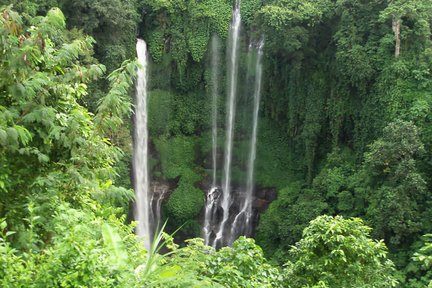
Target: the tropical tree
pixel 397 190
pixel 338 252
pixel 58 198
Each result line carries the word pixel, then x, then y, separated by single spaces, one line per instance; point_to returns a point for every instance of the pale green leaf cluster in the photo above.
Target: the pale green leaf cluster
pixel 183 28
pixel 337 252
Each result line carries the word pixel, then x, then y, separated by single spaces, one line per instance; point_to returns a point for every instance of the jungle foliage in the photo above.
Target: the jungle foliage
pixel 345 130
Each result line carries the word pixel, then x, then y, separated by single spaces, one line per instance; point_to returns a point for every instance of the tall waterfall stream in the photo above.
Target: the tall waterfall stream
pixel 221 230
pixel 140 157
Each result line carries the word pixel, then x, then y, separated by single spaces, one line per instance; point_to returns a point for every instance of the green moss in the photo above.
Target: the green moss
pixel 249 10
pixel 273 164
pixel 178 114
pixel 177 156
pixel 160 107
pixel 185 203
pixel 198 43
pixel 156 44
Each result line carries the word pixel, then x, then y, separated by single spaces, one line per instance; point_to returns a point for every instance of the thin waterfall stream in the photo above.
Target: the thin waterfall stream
pixel 211 201
pixel 158 195
pixel 233 47
pixel 242 224
pixel 229 211
pixel 215 46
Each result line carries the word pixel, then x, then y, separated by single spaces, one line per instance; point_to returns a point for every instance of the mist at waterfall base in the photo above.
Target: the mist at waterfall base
pixel 229 212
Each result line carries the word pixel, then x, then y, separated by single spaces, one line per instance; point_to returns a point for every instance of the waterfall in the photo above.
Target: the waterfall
pixel 140 157
pixel 210 213
pixel 232 91
pixel 211 201
pixel 215 95
pixel 220 226
pixel 158 207
pixel 158 195
pixel 242 224
pixel 252 155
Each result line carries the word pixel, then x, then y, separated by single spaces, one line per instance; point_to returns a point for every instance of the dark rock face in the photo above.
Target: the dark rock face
pixel 262 200
pixel 161 190
pixel 269 194
pixel 260 204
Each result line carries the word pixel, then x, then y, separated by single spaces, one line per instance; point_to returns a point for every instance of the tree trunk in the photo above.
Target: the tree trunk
pixel 396 23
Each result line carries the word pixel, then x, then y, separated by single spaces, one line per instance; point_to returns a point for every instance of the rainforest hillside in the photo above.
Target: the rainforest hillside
pixel 343 163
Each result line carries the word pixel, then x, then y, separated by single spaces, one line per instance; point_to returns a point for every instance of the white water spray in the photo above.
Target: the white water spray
pixel 211 201
pixel 157 209
pixel 243 221
pixel 232 92
pixel 215 95
pixel 210 213
pixel 140 157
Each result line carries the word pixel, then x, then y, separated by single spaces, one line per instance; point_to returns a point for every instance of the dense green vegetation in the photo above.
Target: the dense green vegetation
pixel 345 131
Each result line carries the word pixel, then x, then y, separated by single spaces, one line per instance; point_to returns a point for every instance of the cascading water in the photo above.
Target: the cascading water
pixel 140 157
pixel 242 224
pixel 215 95
pixel 158 194
pixel 211 201
pixel 158 207
pixel 210 212
pixel 221 225
pixel 233 46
